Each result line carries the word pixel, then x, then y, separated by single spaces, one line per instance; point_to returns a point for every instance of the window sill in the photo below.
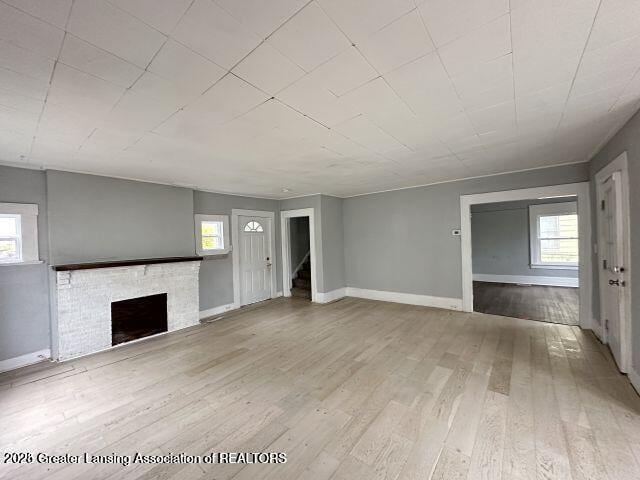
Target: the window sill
pixel 15 264
pixel 214 254
pixel 556 267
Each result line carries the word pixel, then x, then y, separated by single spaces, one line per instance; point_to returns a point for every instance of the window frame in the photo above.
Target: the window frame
pixel 27 232
pixel 199 220
pixel 549 209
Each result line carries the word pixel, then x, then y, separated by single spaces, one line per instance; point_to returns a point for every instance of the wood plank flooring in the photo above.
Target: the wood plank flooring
pixel 529 302
pixel 352 390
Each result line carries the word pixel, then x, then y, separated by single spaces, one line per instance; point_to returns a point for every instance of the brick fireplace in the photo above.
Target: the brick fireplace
pixel 84 295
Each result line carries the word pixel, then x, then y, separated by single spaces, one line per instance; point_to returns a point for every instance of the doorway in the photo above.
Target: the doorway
pixel 299 272
pixel 614 256
pixel 254 271
pixel 581 192
pixel 526 259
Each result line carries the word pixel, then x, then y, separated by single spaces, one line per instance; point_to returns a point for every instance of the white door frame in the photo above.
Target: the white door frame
pixel 285 217
pixel 620 163
pixel 235 252
pixel 581 191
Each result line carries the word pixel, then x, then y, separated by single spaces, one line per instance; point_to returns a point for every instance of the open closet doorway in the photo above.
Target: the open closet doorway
pixel 299 275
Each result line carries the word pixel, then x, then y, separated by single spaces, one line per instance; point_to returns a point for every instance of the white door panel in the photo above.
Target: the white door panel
pixel 255 259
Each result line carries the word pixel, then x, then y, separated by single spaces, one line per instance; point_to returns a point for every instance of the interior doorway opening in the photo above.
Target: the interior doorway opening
pixel 299 273
pixel 300 253
pixel 526 259
pixel 581 192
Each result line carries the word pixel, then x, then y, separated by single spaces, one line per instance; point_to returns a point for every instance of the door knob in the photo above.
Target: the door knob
pixel 614 282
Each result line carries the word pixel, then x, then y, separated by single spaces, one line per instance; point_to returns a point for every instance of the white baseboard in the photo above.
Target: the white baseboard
pixel 408 298
pixel 331 296
pixel 24 360
pixel 634 378
pixel 527 280
pixel 212 312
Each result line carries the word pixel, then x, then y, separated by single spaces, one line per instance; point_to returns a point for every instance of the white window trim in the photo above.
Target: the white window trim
pixel 28 213
pixel 225 234
pixel 535 211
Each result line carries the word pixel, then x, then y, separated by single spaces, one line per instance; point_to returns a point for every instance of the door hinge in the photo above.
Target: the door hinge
pixel 602 205
pixel 606 324
pixel 604 264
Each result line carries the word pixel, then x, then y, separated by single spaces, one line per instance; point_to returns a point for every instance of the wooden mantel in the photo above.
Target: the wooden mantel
pixel 122 263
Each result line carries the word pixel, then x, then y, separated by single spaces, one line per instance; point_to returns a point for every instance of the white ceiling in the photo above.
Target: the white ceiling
pixel 334 96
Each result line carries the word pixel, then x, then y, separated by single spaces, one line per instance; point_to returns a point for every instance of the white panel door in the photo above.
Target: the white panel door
pixel 611 255
pixel 255 259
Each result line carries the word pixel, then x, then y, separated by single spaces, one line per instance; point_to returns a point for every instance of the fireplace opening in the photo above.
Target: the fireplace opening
pixel 138 318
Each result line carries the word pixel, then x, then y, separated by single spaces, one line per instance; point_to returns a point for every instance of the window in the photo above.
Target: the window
pixel 212 234
pixel 18 233
pixel 10 244
pixel 554 235
pixel 253 227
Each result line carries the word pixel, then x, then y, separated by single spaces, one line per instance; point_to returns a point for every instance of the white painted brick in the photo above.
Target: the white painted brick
pixel 84 301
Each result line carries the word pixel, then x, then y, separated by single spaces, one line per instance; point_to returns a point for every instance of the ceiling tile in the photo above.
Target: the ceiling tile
pixel 263 18
pixel 229 98
pixel 81 93
pixel 485 43
pixel 364 132
pixel 28 32
pixel 55 12
pixel 23 85
pixel 82 55
pixel 19 102
pixel 426 87
pixel 496 117
pixel 185 68
pixel 164 90
pixel 398 43
pixel 486 84
pixel 309 38
pixel 361 18
pixel 212 32
pixel 617 20
pixel 162 15
pixel 345 72
pixel 111 29
pixel 268 69
pixel 447 20
pixel 25 62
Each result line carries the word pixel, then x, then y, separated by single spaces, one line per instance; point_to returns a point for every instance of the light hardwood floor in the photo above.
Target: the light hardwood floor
pixel 351 390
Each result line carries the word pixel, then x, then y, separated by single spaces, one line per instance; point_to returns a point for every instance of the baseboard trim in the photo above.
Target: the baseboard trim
pixel 24 360
pixel 331 296
pixel 528 280
pixel 634 378
pixel 408 298
pixel 212 312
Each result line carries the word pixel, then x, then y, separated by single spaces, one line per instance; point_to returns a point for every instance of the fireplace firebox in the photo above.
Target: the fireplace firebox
pixel 138 318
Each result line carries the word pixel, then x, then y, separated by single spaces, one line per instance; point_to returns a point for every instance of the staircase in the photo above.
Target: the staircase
pixel 302 282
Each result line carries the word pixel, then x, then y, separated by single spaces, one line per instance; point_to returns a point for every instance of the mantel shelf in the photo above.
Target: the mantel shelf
pixel 122 263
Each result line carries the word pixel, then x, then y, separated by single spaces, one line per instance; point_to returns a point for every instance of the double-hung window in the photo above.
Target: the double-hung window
pixel 18 233
pixel 554 235
pixel 212 234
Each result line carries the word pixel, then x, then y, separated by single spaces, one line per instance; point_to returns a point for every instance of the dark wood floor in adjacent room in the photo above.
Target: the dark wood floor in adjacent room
pixel 529 302
pixel 352 390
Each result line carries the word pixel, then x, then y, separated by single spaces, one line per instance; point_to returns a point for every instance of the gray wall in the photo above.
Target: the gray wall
pixel 298 240
pixel 500 239
pixel 627 139
pixel 216 272
pixel 100 218
pixel 401 241
pixel 24 289
pixel 332 242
